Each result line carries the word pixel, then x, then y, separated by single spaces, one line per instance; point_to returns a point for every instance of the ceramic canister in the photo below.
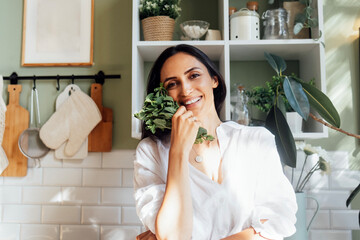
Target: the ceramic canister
pixel 244 25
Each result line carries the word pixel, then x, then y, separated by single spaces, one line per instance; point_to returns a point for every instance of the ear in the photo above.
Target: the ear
pixel 215 82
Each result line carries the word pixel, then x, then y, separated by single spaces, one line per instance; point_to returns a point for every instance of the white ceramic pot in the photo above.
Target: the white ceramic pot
pixel 244 25
pixel 295 122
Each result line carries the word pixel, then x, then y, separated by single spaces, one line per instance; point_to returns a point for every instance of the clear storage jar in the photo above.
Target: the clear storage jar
pixel 275 24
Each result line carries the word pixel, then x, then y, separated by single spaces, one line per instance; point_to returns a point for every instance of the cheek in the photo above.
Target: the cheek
pixel 174 95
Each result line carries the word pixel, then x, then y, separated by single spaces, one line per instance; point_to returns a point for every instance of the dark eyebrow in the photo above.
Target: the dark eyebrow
pixel 191 69
pixel 186 72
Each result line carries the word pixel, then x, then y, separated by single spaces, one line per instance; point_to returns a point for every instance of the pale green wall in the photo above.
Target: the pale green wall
pixel 341 29
pixel 112 54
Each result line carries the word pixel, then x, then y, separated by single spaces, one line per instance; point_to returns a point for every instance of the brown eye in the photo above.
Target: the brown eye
pixel 170 85
pixel 194 75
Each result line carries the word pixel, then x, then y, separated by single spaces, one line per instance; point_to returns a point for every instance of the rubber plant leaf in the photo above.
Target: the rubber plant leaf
pixel 276 62
pixel 322 104
pixel 296 97
pixel 353 195
pixel 281 105
pixel 285 143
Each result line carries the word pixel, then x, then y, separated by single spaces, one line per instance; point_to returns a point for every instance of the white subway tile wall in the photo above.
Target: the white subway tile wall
pixel 92 199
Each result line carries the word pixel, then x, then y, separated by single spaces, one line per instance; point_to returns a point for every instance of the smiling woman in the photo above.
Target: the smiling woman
pixel 177 196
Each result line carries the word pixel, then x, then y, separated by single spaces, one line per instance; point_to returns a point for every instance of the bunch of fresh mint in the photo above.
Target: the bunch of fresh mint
pixel 158 110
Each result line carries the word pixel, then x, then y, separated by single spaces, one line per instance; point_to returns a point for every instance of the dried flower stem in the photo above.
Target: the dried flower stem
pixel 307 177
pixel 302 170
pixel 332 127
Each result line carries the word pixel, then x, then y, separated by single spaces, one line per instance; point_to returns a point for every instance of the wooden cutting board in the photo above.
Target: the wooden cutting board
pixel 100 138
pixel 16 121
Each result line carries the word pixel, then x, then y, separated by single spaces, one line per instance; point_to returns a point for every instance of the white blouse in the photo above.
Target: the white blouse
pixel 253 187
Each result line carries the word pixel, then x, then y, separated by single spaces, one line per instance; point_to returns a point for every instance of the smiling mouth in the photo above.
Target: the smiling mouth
pixel 194 100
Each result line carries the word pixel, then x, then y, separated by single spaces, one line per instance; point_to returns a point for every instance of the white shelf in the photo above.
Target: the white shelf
pixel 150 50
pixel 308 52
pixel 254 50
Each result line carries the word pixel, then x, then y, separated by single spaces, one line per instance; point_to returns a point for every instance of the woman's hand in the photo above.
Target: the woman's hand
pixel 184 129
pixel 148 235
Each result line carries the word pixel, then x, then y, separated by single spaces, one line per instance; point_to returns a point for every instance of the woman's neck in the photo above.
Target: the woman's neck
pixel 210 122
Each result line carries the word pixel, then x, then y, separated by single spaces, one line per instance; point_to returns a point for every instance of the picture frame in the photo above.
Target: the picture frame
pixel 57 33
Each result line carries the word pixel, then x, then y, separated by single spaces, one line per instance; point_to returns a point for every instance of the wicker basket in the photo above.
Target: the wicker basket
pixel 158 28
pixel 293 9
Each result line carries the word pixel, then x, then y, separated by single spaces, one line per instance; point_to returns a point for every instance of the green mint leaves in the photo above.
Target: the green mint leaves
pixel 158 110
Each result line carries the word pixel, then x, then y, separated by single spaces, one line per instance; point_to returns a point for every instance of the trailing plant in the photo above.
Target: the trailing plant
pixel 305 19
pixel 158 111
pixel 151 8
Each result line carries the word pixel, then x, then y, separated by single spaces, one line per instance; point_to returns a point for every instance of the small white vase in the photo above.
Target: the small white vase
pixel 295 122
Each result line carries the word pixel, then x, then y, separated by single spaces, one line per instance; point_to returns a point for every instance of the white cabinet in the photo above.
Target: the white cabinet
pixel 309 53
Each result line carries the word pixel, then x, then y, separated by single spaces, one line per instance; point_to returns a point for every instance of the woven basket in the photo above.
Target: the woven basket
pixel 158 28
pixel 294 8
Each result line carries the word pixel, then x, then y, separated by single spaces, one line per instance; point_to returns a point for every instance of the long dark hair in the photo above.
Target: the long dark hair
pixel 154 79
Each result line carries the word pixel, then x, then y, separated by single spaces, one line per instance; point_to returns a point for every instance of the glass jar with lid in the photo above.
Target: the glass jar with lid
pixel 275 24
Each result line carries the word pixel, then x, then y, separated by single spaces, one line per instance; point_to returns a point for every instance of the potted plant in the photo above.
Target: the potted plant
pixel 263 99
pixel 300 96
pixel 158 18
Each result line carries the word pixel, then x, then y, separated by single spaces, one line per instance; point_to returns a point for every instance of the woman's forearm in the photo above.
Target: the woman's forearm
pixel 247 234
pixel 175 217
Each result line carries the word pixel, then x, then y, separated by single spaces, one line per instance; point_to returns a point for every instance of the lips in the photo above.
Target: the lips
pixel 192 101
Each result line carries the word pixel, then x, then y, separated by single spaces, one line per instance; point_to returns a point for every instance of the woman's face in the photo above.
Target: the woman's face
pixel 189 83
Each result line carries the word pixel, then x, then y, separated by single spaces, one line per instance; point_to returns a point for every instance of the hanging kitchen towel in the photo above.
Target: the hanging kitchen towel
pixel 71 123
pixel 3 158
pixel 60 152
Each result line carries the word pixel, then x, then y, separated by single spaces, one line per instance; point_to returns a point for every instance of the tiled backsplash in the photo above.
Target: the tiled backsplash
pixel 92 199
pixel 334 220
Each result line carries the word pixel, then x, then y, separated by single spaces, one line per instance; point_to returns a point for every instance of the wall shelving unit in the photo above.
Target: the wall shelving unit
pixel 309 53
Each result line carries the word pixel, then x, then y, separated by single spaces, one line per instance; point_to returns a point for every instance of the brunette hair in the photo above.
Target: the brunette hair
pixel 154 79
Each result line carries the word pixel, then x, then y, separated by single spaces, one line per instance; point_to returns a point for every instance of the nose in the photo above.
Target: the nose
pixel 187 88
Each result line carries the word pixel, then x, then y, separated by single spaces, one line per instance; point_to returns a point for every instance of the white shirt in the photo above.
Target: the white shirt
pixel 253 187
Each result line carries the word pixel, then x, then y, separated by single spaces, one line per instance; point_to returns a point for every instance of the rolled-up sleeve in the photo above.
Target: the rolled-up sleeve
pixel 274 196
pixel 149 182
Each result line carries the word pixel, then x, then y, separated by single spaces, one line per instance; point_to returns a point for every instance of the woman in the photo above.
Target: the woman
pixel 237 191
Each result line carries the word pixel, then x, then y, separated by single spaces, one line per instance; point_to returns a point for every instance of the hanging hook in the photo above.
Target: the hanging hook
pixel 14 78
pixel 57 82
pixel 72 79
pixel 34 81
pixel 100 77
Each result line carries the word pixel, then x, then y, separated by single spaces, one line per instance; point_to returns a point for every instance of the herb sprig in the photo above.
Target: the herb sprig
pixel 158 110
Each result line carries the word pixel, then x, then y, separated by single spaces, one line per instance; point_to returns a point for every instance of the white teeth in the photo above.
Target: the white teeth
pixel 192 101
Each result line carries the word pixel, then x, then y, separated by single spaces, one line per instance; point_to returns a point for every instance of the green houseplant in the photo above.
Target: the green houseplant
pixel 290 91
pixel 158 18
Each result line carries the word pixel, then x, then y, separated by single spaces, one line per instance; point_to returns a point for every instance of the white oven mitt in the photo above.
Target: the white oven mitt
pixel 72 122
pixel 4 162
pixel 60 152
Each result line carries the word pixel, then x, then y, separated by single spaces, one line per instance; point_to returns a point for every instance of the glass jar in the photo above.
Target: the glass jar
pixel 241 111
pixel 275 24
